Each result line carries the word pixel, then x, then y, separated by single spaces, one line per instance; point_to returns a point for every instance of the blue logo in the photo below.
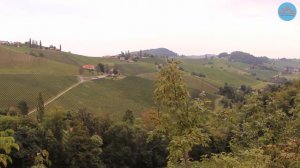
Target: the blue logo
pixel 287 11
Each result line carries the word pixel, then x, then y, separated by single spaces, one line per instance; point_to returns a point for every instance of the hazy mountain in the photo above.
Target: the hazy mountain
pixel 159 52
pixel 243 57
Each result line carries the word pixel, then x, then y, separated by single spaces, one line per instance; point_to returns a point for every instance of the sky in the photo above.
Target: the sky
pixel 189 27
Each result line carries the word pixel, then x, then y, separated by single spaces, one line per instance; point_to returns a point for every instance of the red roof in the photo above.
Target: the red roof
pixel 88 66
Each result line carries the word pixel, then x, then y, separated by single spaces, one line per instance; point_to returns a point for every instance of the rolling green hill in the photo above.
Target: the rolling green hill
pixel 13 62
pixel 133 69
pixel 25 71
pixel 157 52
pixel 25 87
pixel 61 57
pixel 192 82
pixel 109 96
pixel 219 72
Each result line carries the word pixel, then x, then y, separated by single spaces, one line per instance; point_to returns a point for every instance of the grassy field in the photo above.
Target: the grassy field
pixel 109 96
pixel 18 87
pixel 17 63
pixel 191 81
pixel 61 57
pixel 218 72
pixel 133 69
pixel 264 74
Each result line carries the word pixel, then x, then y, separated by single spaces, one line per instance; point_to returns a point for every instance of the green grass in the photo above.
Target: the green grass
pixel 133 69
pixel 192 82
pixel 61 57
pixel 109 96
pixel 151 76
pixel 17 63
pixel 218 72
pixel 199 84
pixel 264 74
pixel 153 60
pixel 18 87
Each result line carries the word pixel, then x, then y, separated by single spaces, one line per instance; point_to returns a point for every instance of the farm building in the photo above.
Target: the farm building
pixel 88 67
pixel 4 42
pixel 291 69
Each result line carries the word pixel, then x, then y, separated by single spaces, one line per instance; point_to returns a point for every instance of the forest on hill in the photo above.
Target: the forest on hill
pixel 254 128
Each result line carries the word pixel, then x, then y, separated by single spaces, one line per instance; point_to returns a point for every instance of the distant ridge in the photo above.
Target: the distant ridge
pixel 161 52
pixel 243 57
pixel 157 52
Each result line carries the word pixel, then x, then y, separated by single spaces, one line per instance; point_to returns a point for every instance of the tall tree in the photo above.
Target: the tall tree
pixel 126 145
pixel 129 117
pixel 23 107
pixel 40 109
pixel 100 68
pixel 141 53
pixel 40 44
pixel 178 116
pixel 84 149
pixel 29 43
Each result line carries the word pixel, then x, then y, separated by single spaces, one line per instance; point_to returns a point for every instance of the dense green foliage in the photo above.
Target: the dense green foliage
pixel 179 117
pixel 7 143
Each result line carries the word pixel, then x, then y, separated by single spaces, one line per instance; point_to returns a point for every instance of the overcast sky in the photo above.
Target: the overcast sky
pixel 106 27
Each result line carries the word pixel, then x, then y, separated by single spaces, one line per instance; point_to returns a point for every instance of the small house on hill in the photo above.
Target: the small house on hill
pixel 113 72
pixel 89 67
pixel 17 44
pixel 4 42
pixel 291 70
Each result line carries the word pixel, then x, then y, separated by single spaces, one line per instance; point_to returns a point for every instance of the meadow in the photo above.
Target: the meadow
pixel 109 96
pixel 25 87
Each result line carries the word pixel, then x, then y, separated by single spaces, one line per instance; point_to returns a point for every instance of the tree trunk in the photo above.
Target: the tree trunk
pixel 186 159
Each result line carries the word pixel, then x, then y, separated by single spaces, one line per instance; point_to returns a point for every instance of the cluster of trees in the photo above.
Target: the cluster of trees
pixel 35 44
pixel 244 58
pixel 265 130
pixel 104 68
pixel 101 68
pixel 78 139
pixel 181 132
pixel 125 54
pixel 233 95
pixel 128 56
